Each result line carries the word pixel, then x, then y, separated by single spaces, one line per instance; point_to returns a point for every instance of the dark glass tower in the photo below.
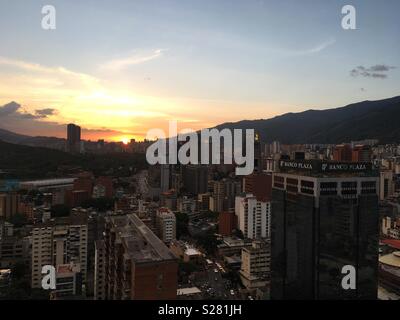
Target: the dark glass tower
pixel 323 218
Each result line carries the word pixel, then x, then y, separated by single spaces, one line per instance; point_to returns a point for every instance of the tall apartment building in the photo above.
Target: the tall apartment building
pixel 258 184
pixel 227 222
pixel 324 216
pixel 57 242
pixel 8 204
pixel 195 178
pixel 165 177
pixel 68 282
pixel 387 184
pixel 253 216
pixel 138 265
pixel 218 196
pixel 256 262
pixel 73 138
pixel 166 225
pixel 99 271
pixel 359 153
pixel 342 152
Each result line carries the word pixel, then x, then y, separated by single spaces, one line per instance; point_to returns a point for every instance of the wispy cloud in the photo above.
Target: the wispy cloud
pixel 378 71
pixel 136 58
pixel 83 78
pixel 313 50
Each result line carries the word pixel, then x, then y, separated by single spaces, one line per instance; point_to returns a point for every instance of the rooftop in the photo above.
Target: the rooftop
pixel 392 259
pixel 141 244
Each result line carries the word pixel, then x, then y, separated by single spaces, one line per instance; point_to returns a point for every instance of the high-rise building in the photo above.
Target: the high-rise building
pixel 195 178
pixel 387 184
pixel 253 216
pixel 324 217
pixel 361 153
pixel 218 196
pixel 166 224
pixel 8 204
pixel 138 265
pixel 73 138
pixel 227 222
pixel 256 262
pixel 57 242
pixel 68 281
pixel 99 271
pixel 258 184
pixel 342 152
pixel 165 177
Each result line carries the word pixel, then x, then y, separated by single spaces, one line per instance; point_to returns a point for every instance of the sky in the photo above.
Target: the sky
pixel 119 68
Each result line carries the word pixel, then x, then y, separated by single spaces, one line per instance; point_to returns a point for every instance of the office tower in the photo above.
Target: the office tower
pixel 258 184
pixel 138 265
pixel 73 138
pixel 166 224
pixel 342 152
pixel 227 222
pixel 165 177
pixel 324 217
pixel 8 204
pixel 57 242
pixel 99 271
pixel 256 262
pixel 253 216
pixel 195 179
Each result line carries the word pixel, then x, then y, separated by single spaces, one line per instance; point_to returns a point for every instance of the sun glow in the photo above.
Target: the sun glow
pixel 125 140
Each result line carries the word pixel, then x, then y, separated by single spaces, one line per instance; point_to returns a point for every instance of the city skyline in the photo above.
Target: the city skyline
pixel 159 61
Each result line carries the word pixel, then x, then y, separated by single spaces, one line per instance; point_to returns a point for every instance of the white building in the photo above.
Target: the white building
pixel 256 262
pixel 253 216
pixel 166 224
pixel 57 243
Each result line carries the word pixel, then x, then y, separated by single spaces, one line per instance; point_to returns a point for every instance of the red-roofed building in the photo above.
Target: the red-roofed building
pixel 392 243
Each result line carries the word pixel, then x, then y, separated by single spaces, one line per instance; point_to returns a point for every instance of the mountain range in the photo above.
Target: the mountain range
pixel 363 120
pixel 378 119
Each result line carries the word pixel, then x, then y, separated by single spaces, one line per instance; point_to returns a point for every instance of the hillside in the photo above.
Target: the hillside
pixel 25 162
pixel 369 119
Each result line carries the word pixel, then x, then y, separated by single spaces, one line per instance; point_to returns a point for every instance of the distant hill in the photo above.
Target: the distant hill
pixel 364 120
pixel 26 162
pixel 48 142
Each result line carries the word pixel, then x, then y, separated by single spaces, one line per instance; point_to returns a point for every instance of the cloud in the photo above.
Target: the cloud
pixel 15 111
pixel 137 58
pixel 378 71
pixel 313 50
pixel 9 108
pixel 46 112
